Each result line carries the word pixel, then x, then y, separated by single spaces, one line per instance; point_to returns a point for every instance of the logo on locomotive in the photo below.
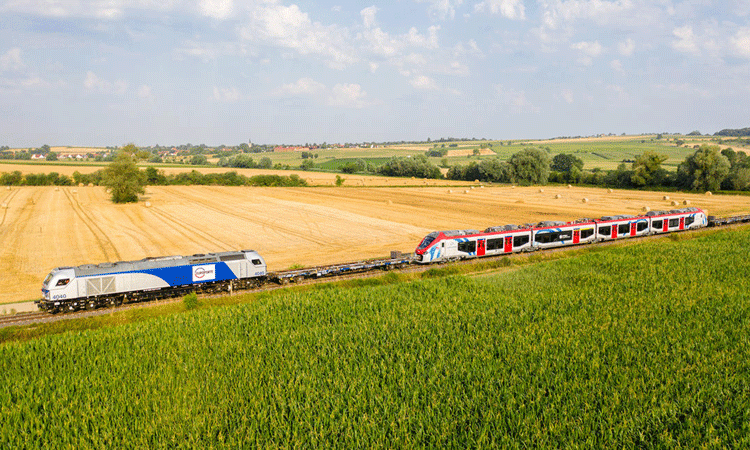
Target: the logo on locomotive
pixel 205 272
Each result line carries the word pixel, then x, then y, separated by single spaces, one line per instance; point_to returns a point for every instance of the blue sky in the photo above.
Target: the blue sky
pixel 109 72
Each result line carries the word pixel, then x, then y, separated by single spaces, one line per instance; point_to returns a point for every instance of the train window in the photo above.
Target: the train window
pixel 605 231
pixel 657 224
pixel 623 228
pixel 689 220
pixel 543 238
pixel 588 232
pixel 520 240
pixel 468 247
pixel 257 262
pixel 494 244
pixel 63 282
pixel 673 222
pixel 642 226
pixel 546 238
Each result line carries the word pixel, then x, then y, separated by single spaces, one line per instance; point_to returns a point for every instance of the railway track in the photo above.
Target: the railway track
pixel 326 273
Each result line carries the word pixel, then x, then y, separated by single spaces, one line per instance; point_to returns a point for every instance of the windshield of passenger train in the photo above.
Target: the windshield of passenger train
pixel 427 241
pixel 47 280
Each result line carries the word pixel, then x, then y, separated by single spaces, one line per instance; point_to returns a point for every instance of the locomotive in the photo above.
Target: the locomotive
pixel 443 246
pixel 94 285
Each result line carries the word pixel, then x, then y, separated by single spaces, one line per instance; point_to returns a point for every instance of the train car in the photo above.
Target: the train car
pixel 441 246
pixel 609 228
pixel 94 285
pixel 551 234
pixel 676 220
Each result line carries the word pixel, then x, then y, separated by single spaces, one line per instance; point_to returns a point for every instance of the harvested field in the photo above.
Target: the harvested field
pixel 470 151
pixel 43 228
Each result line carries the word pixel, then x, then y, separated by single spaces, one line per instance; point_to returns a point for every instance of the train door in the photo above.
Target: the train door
pixel 666 224
pixel 481 247
pixel 614 231
pixel 682 223
pixel 508 244
pixel 576 236
pixel 632 228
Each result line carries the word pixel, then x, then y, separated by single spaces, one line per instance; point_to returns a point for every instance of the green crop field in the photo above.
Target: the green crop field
pixel 636 346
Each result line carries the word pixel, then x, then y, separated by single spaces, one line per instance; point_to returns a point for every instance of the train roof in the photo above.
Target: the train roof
pixel 161 262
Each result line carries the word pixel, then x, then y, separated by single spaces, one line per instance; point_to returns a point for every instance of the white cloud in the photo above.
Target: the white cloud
pixel 11 60
pixel 368 16
pixel 511 9
pixel 514 99
pixel 303 86
pixel 226 95
pixel 686 41
pixel 144 92
pixel 348 96
pixel 740 43
pixel 289 27
pixel 587 51
pixel 424 82
pixel 218 9
pixel 616 65
pixel 557 13
pixel 626 47
pixel 567 95
pixel 93 83
pixel 442 9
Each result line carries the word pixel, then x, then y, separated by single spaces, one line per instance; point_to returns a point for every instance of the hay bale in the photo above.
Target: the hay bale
pixel 481 186
pixel 390 202
pixel 570 187
pixel 4 205
pixel 148 204
pixel 584 200
pixel 75 191
pixel 466 191
pixel 709 193
pixel 471 187
pixel 450 191
pixel 645 209
pixel 80 184
pixel 8 188
pixel 91 184
pixel 558 196
pixel 57 188
pixel 513 186
pixel 541 190
pixel 610 191
pixel 666 197
pixel 686 202
pixel 674 203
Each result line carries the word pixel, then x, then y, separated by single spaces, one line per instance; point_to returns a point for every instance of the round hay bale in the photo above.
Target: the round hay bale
pixel 390 202
pixel 570 187
pixel 57 188
pixel 471 187
pixel 584 200
pixel 75 191
pixel 541 190
pixel 91 184
pixel 610 191
pixel 645 209
pixel 666 197
pixel 686 202
pixel 4 205
pixel 148 204
pixel 80 184
pixel 466 191
pixel 674 203
pixel 450 191
pixel 513 186
pixel 709 193
pixel 8 188
pixel 558 196
pixel 481 186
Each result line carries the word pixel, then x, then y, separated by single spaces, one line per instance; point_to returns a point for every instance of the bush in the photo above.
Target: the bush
pixel 190 301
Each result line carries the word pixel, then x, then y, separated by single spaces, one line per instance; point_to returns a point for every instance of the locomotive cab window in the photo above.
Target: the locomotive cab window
pixel 605 231
pixel 468 247
pixel 588 232
pixel 256 262
pixel 520 240
pixel 63 282
pixel 642 226
pixel 657 224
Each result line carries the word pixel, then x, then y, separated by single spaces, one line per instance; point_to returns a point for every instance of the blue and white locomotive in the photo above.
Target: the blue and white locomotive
pixel 94 285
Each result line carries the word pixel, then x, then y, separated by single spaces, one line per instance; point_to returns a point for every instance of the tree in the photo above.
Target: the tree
pixel 122 176
pixel 647 169
pixel 565 163
pixel 51 156
pixel 704 170
pixel 530 166
pixel 265 163
pixel 198 160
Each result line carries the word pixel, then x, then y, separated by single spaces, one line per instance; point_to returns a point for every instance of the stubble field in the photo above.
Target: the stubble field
pixel 45 227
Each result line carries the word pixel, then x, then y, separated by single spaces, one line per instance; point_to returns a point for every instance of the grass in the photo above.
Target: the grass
pixel 635 346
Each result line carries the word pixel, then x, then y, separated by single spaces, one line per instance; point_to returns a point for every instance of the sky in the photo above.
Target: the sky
pixel 168 72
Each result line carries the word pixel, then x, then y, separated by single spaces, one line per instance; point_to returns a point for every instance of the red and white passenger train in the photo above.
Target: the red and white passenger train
pixel 441 246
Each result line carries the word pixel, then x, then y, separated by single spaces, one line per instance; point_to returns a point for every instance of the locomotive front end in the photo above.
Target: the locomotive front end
pixel 425 251
pixel 58 287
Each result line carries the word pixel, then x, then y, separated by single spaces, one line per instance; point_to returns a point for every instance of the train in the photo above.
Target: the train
pixel 92 286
